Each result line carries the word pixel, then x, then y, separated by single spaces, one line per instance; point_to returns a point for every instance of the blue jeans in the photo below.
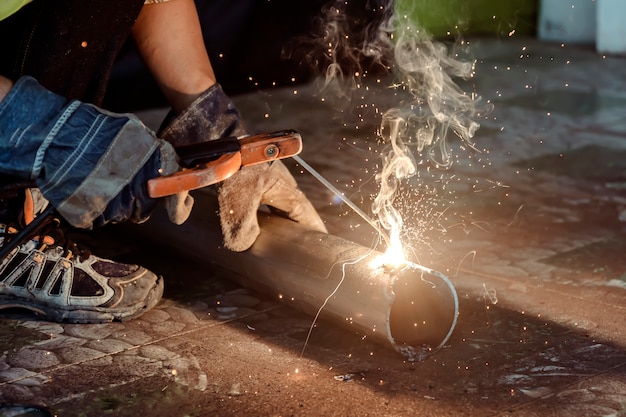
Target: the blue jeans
pixel 91 165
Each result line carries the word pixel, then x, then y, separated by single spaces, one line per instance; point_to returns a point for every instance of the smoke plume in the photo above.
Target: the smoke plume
pixel 431 107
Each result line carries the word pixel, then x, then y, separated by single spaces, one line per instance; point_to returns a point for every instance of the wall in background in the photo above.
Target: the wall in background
pixel 444 18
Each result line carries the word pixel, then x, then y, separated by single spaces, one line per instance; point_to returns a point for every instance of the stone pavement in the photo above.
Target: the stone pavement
pixel 530 230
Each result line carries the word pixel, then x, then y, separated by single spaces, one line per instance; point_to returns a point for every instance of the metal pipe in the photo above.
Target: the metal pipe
pixel 412 308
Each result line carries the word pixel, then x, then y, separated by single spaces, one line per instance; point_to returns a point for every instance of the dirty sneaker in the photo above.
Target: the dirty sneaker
pixel 55 278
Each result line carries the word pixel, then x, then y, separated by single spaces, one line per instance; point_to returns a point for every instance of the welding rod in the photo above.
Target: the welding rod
pixel 343 198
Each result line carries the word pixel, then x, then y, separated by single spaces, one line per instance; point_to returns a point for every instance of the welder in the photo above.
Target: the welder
pixel 92 166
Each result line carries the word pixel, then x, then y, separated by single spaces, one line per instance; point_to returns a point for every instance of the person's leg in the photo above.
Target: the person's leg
pixel 91 165
pixel 69 46
pixel 60 280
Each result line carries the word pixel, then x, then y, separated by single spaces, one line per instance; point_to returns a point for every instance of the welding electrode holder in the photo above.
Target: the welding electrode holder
pixel 204 164
pixel 210 162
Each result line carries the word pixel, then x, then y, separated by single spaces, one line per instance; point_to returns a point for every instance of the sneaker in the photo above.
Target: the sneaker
pixel 60 281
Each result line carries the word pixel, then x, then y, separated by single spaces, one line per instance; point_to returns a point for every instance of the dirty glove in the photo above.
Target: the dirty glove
pixel 178 206
pixel 213 116
pixel 271 184
pixel 92 165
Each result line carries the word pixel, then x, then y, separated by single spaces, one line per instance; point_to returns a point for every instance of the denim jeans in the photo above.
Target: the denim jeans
pixel 90 164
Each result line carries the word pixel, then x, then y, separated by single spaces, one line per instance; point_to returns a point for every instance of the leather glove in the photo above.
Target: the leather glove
pixel 271 184
pixel 213 116
pixel 179 205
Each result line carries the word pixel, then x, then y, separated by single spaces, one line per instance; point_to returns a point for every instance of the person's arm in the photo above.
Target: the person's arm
pixel 5 87
pixel 169 39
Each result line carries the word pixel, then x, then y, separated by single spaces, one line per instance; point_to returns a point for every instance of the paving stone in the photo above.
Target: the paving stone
pixel 200 306
pixel 109 345
pixel 536 269
pixel 44 326
pixel 182 315
pixel 137 366
pixel 156 315
pixel 34 359
pixel 168 328
pixel 16 393
pixel 103 361
pixel 60 341
pixel 133 337
pixel 93 331
pixel 204 315
pixel 3 363
pixel 78 354
pixel 186 371
pixel 23 376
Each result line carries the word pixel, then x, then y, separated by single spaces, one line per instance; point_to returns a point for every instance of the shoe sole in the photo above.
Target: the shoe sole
pixel 90 315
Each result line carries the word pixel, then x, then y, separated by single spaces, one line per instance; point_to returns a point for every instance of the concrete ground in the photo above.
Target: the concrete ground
pixel 530 231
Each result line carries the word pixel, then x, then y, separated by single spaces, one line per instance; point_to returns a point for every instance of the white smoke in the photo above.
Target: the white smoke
pixel 432 109
pixel 437 107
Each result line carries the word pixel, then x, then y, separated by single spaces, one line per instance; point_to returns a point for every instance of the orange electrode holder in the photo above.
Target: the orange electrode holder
pixel 210 162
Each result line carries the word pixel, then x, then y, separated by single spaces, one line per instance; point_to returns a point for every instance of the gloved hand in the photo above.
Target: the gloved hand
pixel 272 184
pixel 92 165
pixel 179 205
pixel 213 116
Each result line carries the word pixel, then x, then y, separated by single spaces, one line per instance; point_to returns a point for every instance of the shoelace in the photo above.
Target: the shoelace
pixel 8 233
pixel 52 234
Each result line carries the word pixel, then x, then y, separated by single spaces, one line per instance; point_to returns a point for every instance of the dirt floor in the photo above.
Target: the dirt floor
pixel 530 230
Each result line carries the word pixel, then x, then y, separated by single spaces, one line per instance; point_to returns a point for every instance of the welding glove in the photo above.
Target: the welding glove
pixel 213 116
pixel 90 164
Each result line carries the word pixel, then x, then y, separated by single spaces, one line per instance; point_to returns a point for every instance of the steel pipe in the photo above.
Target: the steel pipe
pixel 411 308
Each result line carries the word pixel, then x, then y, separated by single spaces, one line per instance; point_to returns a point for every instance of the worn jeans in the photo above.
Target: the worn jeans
pixel 91 165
